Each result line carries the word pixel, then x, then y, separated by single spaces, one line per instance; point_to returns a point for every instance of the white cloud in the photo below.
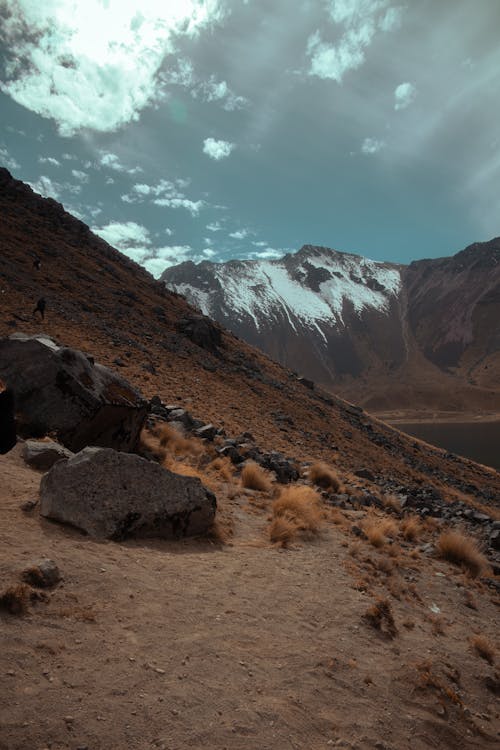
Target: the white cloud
pixel 215 226
pixel 193 207
pixel 49 160
pixel 372 146
pixel 79 175
pixel 46 187
pixel 217 149
pixel 360 22
pixel 404 95
pixel 208 252
pixel 111 161
pixel 94 64
pixel 269 253
pixel 7 160
pixel 239 235
pixel 142 189
pixel 260 244
pixel 125 235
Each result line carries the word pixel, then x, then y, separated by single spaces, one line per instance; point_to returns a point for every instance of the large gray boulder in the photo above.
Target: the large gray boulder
pixel 115 495
pixel 60 390
pixel 42 455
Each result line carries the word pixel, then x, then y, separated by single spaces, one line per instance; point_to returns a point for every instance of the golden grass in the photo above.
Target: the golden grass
pixel 391 501
pixel 223 467
pixel 377 530
pixel 462 550
pixel 411 528
pixel 177 444
pixel 253 477
pixel 483 647
pixel 324 476
pixel 296 512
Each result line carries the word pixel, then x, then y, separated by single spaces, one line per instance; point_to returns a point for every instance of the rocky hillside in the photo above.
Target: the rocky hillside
pixel 385 335
pixel 346 595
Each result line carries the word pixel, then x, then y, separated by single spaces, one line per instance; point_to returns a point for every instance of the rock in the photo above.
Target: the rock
pixel 43 574
pixel 306 383
pixel 61 390
pixel 495 539
pixel 232 452
pixel 8 437
pixel 365 474
pixel 29 505
pixel 115 495
pixel 285 469
pixel 182 416
pixel 207 432
pixel 202 332
pixel 43 455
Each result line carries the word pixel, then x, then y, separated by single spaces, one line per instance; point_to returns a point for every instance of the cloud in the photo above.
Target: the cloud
pixel 94 65
pixel 215 226
pixel 240 234
pixel 211 90
pixel 217 149
pixel 79 175
pixel 111 161
pixel 359 21
pixel 52 189
pixel 165 193
pixel 7 160
pixel 404 95
pixel 130 238
pixel 372 146
pixel 270 253
pixel 49 160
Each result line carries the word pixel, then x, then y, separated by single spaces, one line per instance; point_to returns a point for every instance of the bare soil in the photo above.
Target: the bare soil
pixel 193 645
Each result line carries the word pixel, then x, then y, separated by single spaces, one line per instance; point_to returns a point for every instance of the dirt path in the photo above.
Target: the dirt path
pixel 187 645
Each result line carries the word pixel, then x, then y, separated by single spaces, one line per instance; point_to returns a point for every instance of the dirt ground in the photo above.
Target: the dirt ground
pixel 193 645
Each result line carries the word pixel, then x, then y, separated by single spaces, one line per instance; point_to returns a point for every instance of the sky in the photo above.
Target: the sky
pixel 218 129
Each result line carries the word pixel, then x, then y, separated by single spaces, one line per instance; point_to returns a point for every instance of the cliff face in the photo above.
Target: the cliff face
pixel 361 327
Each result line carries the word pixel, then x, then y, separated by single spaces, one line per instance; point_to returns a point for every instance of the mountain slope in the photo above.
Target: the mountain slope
pixel 376 332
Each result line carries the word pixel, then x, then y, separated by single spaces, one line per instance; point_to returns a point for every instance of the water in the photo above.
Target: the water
pixel 479 441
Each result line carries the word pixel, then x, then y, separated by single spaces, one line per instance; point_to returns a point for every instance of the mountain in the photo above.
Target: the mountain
pixel 386 335
pixel 150 643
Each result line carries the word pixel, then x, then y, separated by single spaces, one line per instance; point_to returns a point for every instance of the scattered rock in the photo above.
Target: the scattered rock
pixel 202 332
pixel 8 436
pixel 43 455
pixel 43 574
pixel 207 432
pixel 29 506
pixel 115 495
pixel 61 390
pixel 306 383
pixel 365 474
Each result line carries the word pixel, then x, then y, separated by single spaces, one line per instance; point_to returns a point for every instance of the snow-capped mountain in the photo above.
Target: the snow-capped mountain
pixel 340 318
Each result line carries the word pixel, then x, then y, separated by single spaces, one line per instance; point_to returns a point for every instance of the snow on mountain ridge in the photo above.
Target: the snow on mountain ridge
pixel 310 287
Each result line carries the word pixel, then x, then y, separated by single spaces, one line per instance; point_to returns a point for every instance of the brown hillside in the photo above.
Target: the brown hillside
pixel 318 615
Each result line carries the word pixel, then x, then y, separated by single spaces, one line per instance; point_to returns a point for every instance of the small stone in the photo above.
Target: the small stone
pixel 42 574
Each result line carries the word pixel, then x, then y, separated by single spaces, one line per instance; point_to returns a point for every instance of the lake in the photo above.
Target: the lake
pixel 479 441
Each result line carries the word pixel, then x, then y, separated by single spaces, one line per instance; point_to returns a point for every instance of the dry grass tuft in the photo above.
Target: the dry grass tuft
pixel 223 467
pixel 462 550
pixel 177 444
pixel 380 616
pixel 483 647
pixel 324 476
pixel 220 531
pixel 377 530
pixel 15 599
pixel 297 511
pixel 411 528
pixel 253 477
pixel 392 502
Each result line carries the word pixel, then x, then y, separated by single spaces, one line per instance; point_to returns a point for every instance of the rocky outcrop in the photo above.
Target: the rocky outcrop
pixel 42 455
pixel 202 332
pixel 62 391
pixel 115 495
pixel 8 436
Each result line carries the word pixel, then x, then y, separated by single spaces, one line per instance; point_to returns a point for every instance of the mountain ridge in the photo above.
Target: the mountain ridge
pixel 348 322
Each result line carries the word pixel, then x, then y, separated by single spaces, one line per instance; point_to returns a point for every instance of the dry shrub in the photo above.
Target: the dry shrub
pixel 15 599
pixel 253 477
pixel 380 616
pixel 392 502
pixel 324 476
pixel 483 647
pixel 337 517
pixel 150 444
pixel 462 550
pixel 385 565
pixel 178 444
pixel 223 467
pixel 220 532
pixel 411 528
pixel 438 623
pixel 377 530
pixel 297 511
pixel 187 470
